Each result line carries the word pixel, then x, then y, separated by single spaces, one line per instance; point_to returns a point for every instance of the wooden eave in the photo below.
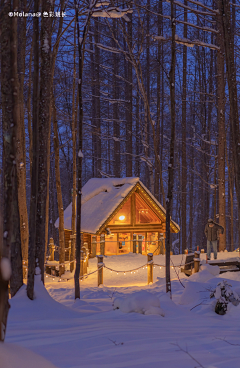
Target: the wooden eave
pixel 153 205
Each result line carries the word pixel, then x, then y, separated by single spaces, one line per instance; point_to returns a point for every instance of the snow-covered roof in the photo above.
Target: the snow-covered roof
pixel 100 197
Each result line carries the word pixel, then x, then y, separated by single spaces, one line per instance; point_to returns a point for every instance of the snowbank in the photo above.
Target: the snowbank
pixel 140 302
pixel 14 356
pixel 206 273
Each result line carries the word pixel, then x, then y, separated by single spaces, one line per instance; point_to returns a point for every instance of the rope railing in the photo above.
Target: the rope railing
pixel 53 269
pixel 100 267
pixel 127 271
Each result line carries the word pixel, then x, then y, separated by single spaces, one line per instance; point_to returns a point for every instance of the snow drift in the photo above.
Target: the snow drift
pixel 14 356
pixel 140 302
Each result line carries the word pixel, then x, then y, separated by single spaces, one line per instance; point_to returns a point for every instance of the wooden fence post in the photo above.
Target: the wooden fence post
pixel 102 244
pixel 69 251
pixel 196 261
pixel 134 243
pixel 100 269
pixel 160 243
pixel 150 268
pixel 52 248
pixel 94 247
pixel 140 244
pixel 81 265
pixel 87 252
pixel 84 260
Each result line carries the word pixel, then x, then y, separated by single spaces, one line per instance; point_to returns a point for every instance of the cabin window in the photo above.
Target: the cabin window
pixel 123 216
pixel 144 214
pixel 111 244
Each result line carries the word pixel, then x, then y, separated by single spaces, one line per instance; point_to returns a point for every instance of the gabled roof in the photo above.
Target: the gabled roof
pixel 101 198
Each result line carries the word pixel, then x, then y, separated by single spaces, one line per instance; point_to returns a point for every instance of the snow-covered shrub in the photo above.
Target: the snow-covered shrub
pixel 139 302
pixel 224 295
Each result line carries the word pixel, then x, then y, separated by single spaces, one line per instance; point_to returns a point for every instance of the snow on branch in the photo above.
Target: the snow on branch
pixel 160 38
pixel 102 3
pixel 184 41
pixel 108 48
pixel 112 12
pixel 187 42
pixel 204 44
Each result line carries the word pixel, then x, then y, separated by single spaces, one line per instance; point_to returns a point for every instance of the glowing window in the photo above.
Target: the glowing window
pixel 144 214
pixel 123 216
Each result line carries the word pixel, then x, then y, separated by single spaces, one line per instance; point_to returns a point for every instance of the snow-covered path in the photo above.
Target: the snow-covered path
pixel 89 334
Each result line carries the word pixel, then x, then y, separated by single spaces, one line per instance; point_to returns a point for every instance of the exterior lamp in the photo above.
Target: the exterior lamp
pixel 121 218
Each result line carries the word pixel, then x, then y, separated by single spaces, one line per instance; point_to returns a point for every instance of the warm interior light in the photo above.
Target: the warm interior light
pixel 121 217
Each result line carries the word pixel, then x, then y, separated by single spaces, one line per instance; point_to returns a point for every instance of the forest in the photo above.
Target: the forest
pixel 104 89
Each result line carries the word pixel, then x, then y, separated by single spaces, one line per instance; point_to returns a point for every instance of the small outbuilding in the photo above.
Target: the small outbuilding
pixel 120 215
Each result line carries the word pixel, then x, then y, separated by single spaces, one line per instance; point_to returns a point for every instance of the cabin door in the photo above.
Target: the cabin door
pixel 141 237
pixel 124 243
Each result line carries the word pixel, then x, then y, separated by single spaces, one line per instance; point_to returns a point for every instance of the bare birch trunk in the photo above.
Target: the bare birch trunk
pixel 184 128
pixel 171 160
pixel 16 280
pixel 59 191
pixel 29 109
pixel 129 107
pixel 221 135
pixel 230 188
pixel 74 126
pixel 21 147
pixel 44 120
pixel 35 156
pixel 117 161
pixel 225 14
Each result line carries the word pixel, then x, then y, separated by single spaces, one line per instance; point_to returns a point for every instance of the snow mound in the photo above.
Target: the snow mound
pixel 214 270
pixel 194 292
pixel 140 302
pixel 43 307
pixel 206 273
pixel 14 356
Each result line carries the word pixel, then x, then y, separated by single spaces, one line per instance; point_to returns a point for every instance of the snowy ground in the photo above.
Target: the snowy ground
pixel 89 333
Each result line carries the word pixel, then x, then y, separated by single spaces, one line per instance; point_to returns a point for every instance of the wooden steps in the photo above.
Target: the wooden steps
pixel 226 266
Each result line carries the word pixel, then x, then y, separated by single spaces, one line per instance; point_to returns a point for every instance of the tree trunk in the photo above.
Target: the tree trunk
pixel 81 43
pixel 221 135
pixel 16 280
pixel 97 117
pixel 129 107
pixel 74 125
pixel 225 13
pixel 184 128
pixel 115 92
pixel 29 110
pixel 230 190
pixel 21 148
pixel 59 191
pixel 35 158
pixel 11 247
pixel 44 122
pixel 171 160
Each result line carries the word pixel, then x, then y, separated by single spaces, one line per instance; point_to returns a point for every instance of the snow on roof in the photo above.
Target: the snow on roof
pixel 100 197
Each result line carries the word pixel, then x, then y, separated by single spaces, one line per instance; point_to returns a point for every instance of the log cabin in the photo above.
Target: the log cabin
pixel 119 215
